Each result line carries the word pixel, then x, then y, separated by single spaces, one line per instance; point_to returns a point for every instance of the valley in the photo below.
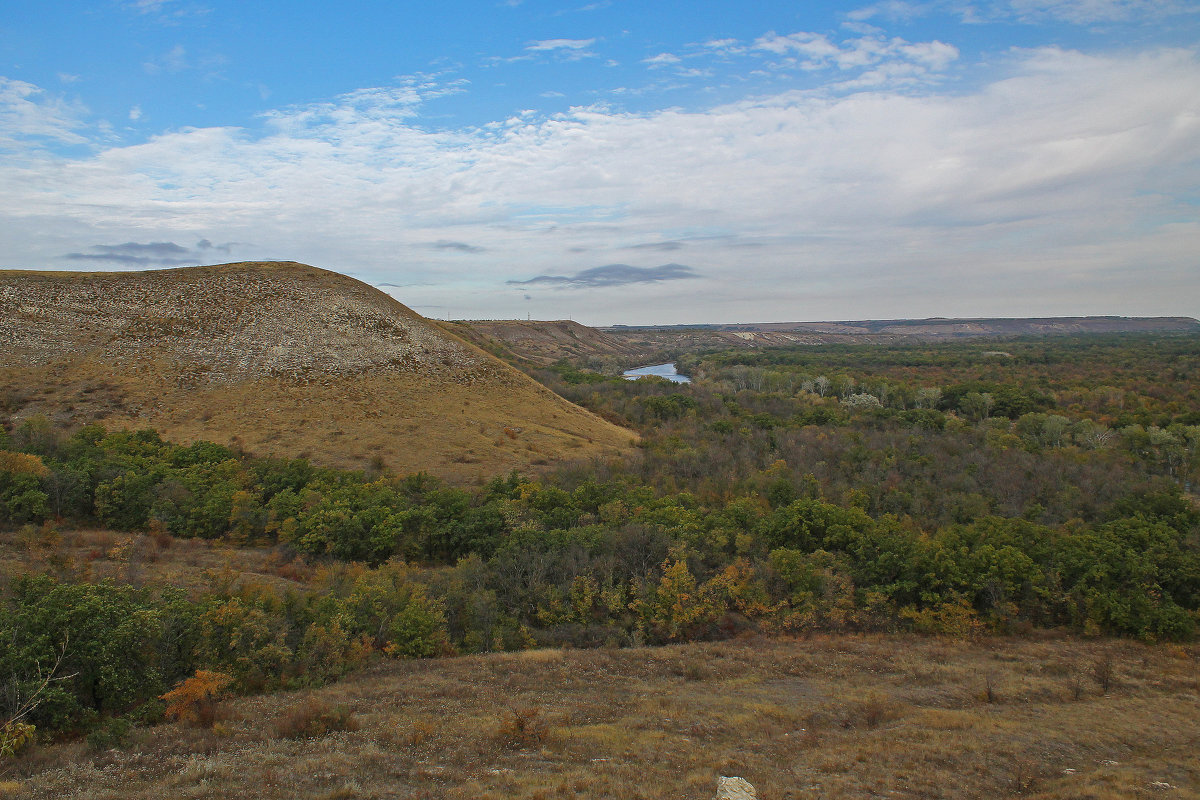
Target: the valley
pixel 392 557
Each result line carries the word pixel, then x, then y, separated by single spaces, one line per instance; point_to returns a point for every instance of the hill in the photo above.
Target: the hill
pixel 278 358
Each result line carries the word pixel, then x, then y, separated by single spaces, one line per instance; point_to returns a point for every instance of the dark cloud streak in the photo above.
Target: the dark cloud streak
pixel 146 253
pixel 462 247
pixel 663 246
pixel 612 275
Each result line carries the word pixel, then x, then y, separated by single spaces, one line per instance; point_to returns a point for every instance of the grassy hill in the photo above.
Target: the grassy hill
pixel 282 359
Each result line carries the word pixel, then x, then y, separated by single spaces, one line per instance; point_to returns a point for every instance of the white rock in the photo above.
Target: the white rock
pixel 734 789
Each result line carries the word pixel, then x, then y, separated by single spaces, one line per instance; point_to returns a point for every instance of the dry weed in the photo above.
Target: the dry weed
pixel 523 728
pixel 313 719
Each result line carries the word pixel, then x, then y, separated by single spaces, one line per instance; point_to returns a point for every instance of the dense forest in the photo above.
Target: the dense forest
pixel 958 489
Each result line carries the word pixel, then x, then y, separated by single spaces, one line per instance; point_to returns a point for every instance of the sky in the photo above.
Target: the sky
pixel 621 161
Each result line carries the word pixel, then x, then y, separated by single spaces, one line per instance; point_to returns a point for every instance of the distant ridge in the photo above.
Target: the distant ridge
pixel 944 326
pixel 541 342
pixel 280 358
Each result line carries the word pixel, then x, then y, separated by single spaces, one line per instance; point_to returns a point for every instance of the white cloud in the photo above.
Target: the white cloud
pixel 1085 12
pixel 935 55
pixel 661 60
pixel 891 9
pixel 810 44
pixel 723 47
pixel 1078 12
pixel 560 44
pixel 894 56
pixel 1065 186
pixel 27 113
pixel 148 6
pixel 135 113
pixel 561 49
pixel 174 60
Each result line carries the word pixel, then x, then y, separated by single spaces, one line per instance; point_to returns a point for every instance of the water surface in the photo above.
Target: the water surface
pixel 661 370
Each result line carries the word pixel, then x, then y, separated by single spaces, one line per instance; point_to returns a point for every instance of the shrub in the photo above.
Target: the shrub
pixel 870 713
pixel 523 727
pixel 112 734
pixel 313 719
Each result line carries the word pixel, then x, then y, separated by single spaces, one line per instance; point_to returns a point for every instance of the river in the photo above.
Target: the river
pixel 661 370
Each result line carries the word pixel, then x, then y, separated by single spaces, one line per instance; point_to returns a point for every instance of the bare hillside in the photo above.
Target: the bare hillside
pixel 282 359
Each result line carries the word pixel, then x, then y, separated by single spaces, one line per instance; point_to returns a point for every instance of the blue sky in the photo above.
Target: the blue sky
pixel 622 162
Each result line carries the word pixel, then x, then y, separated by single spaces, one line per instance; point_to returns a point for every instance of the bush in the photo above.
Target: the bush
pixel 313 719
pixel 523 727
pixel 111 734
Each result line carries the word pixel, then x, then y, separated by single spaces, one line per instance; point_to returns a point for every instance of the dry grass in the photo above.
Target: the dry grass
pixel 378 386
pixel 831 717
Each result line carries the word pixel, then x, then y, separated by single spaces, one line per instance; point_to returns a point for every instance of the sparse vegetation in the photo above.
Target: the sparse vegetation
pixel 843 716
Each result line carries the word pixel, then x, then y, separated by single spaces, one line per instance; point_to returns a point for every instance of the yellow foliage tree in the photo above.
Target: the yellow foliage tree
pixel 679 604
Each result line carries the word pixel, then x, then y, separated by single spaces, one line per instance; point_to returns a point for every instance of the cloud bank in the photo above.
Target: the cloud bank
pixel 1064 184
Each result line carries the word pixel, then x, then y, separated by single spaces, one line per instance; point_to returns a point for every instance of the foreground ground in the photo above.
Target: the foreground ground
pixel 828 717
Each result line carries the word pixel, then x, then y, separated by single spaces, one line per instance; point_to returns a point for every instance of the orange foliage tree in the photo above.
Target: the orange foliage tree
pixel 194 698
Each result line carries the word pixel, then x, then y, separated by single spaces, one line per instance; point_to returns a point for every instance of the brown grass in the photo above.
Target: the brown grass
pixel 422 414
pixel 832 717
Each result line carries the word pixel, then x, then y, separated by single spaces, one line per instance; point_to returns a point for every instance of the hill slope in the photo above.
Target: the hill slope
pixel 545 342
pixel 279 358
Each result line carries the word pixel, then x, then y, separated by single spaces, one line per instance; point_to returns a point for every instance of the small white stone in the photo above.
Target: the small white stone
pixel 734 789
